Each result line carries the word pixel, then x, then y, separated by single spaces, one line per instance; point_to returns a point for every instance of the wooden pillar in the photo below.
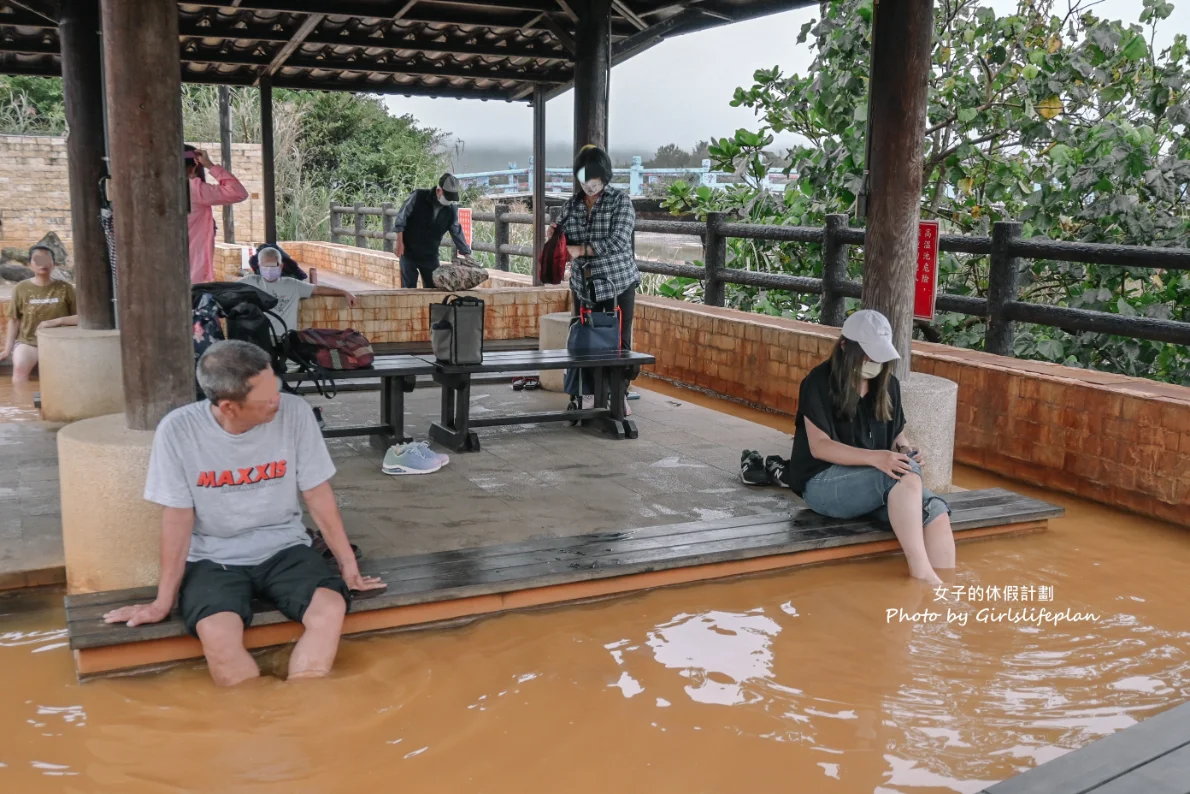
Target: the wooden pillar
pixel 900 70
pixel 268 172
pixel 539 178
pixel 82 86
pixel 229 223
pixel 592 74
pixel 149 196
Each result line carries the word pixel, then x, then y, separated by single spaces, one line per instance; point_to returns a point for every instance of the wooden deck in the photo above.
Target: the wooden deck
pixel 442 586
pixel 1152 757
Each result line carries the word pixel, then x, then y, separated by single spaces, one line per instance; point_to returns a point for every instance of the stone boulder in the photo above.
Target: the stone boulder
pixel 18 255
pixel 10 271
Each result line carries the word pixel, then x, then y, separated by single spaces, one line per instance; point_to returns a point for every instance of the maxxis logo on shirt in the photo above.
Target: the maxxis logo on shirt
pixel 252 475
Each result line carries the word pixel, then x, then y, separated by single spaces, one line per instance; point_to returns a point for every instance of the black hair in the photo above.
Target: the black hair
pixel 596 162
pixel 47 249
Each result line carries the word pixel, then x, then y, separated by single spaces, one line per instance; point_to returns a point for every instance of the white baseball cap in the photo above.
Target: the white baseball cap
pixel 870 329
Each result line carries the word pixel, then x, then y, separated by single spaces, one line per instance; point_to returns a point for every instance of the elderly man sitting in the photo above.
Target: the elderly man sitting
pixel 228 471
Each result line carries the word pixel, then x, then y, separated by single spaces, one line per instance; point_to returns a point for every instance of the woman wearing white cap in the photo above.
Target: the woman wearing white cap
pixel 850 454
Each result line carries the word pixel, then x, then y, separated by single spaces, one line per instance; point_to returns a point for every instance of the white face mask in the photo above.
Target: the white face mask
pixel 870 369
pixel 592 187
pixel 270 272
pixel 444 201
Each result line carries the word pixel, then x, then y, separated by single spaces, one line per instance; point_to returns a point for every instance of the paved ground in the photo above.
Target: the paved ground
pixel 528 481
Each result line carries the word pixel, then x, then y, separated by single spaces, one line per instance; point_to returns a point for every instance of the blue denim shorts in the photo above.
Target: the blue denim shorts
pixel 854 491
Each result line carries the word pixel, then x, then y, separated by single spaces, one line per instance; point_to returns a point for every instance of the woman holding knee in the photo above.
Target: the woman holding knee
pixel 850 454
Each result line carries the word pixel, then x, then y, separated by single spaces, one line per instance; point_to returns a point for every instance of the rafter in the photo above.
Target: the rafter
pixel 312 22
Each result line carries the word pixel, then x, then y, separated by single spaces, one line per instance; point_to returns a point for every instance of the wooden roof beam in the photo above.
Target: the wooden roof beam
pixel 626 12
pixel 312 22
pixel 47 11
pixel 214 77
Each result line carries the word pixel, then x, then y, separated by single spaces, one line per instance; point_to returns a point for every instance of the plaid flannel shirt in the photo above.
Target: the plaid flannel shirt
pixel 609 230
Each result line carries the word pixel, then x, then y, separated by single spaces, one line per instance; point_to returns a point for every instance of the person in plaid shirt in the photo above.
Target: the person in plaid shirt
pixel 600 223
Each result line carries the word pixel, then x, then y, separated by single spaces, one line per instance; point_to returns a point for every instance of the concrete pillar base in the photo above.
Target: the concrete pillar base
pixel 552 333
pixel 80 373
pixel 931 404
pixel 111 536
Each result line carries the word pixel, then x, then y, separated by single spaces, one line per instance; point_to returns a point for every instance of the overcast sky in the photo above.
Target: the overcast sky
pixel 678 91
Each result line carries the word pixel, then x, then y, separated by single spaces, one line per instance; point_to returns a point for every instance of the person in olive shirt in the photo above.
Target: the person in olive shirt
pixel 421 223
pixel 850 454
pixel 39 302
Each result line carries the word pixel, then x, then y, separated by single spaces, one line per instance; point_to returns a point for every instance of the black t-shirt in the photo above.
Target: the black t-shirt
pixel 863 430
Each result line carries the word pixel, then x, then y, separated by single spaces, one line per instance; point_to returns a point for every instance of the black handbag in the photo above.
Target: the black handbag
pixel 456 329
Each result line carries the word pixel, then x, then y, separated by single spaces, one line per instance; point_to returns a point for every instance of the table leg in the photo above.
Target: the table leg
pixel 619 392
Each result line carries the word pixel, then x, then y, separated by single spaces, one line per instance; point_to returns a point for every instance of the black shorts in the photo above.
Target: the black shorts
pixel 288 579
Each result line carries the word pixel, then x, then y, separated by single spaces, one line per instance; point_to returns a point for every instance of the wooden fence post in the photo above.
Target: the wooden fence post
pixel 1002 288
pixel 715 260
pixel 501 236
pixel 333 222
pixel 832 308
pixel 387 224
pixel 360 242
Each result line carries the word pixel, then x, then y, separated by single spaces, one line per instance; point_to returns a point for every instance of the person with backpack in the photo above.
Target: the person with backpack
pixel 288 291
pixel 201 221
pixel 422 222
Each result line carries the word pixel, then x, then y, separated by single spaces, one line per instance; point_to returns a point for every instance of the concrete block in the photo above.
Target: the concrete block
pixel 81 373
pixel 931 404
pixel 110 535
pixel 553 330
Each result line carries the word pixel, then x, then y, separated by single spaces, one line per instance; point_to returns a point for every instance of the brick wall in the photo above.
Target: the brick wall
pixel 403 315
pixel 1113 439
pixel 35 190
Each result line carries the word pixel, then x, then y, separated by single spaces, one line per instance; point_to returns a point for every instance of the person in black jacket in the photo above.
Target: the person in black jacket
pixel 420 226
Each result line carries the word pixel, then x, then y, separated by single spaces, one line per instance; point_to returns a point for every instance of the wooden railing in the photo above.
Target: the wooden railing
pixel 1006 249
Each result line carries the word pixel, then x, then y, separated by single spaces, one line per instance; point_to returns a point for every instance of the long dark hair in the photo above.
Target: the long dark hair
pixel 847 361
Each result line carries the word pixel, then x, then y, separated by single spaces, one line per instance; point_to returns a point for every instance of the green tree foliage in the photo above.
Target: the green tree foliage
pixel 1074 125
pixel 671 155
pixel 31 106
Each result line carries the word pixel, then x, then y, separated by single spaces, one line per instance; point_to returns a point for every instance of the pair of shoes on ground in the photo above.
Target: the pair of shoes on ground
pixel 416 457
pixel 758 470
pixel 530 383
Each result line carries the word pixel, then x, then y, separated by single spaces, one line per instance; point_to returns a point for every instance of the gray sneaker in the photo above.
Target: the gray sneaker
pixel 413 458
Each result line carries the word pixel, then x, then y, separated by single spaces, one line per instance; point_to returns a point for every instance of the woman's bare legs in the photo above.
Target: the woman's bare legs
pixel 940 542
pixel 904 513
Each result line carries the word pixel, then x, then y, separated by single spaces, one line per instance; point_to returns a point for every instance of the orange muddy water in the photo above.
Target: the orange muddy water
pixel 791 682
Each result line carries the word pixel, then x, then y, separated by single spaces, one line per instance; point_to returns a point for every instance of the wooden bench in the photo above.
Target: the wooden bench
pixel 1152 757
pixel 397 376
pixel 456 429
pixel 419 349
pixel 424 589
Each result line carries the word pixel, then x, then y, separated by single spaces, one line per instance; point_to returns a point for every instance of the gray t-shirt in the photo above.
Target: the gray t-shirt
pixel 289 293
pixel 243 488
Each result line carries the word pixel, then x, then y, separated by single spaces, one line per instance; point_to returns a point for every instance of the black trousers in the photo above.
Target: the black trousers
pixel 411 268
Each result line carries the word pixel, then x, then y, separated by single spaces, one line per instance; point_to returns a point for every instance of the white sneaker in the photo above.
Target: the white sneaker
pixel 588 402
